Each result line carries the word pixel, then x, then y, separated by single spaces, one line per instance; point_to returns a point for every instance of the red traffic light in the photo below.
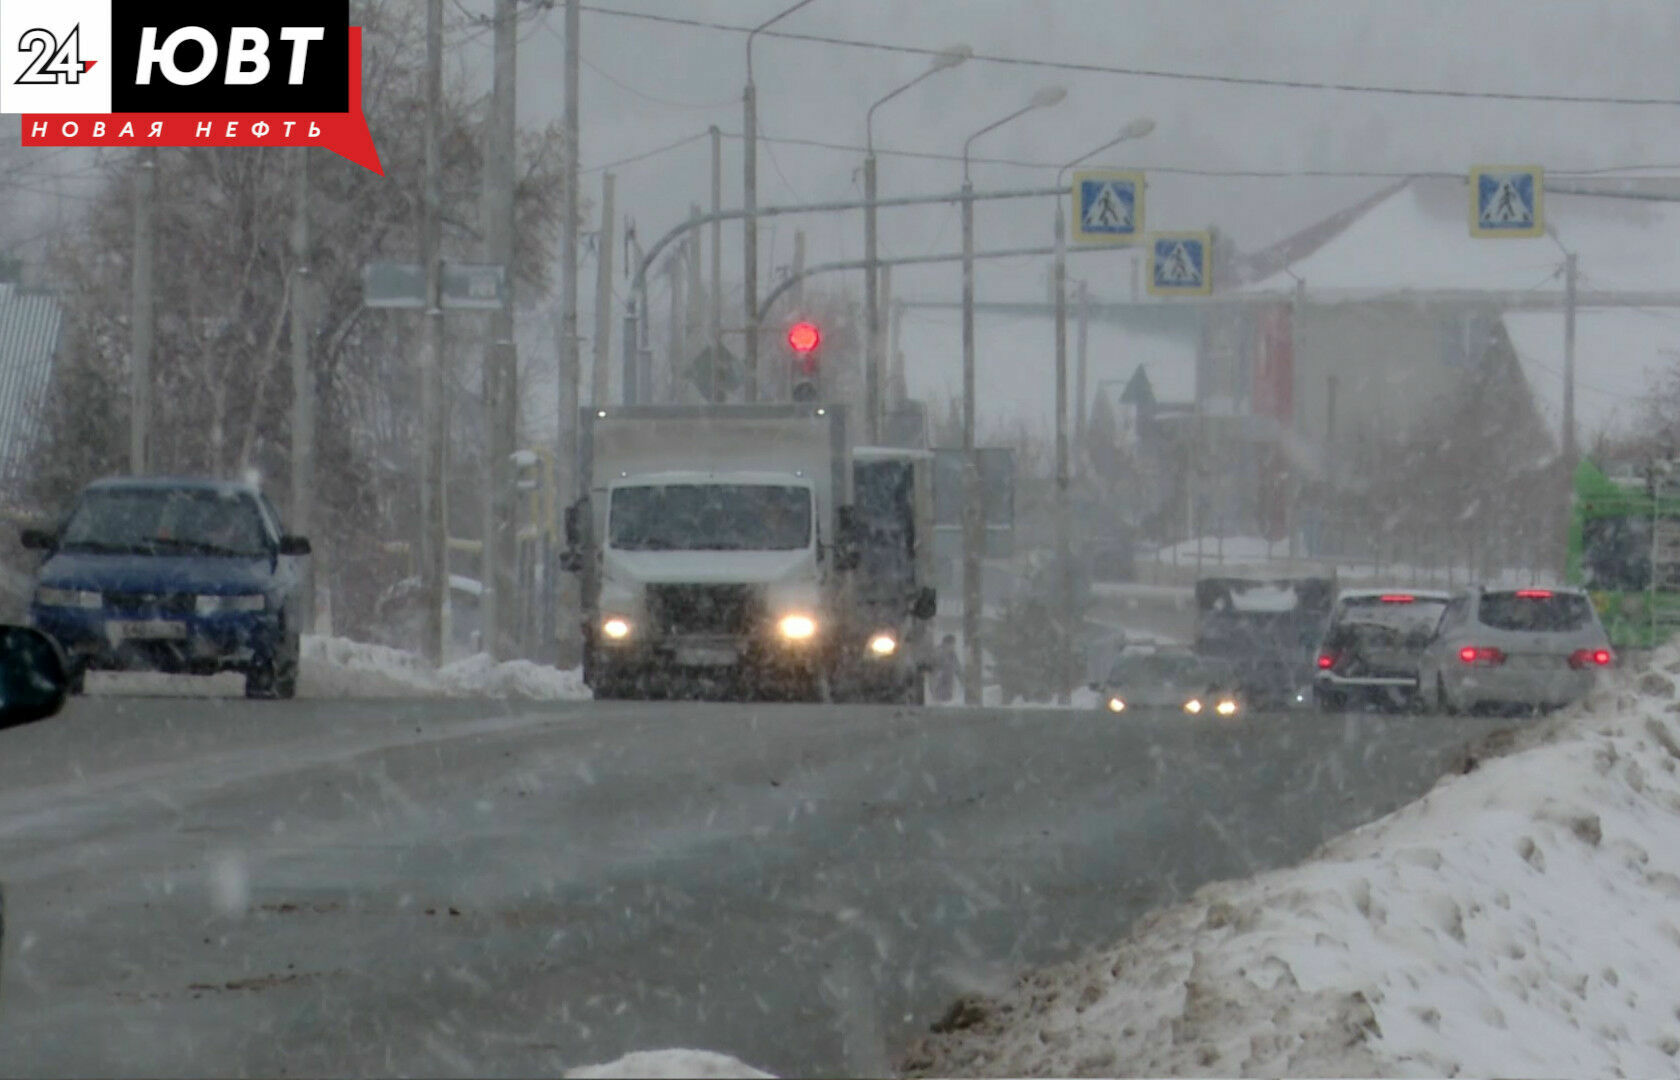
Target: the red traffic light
pixel 803 338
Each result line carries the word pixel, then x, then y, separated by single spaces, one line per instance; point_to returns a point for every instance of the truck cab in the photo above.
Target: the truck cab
pixel 707 546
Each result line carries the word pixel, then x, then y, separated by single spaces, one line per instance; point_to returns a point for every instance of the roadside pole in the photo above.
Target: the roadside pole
pixel 500 371
pixel 434 556
pixel 143 315
pixel 561 592
pixel 601 370
pixel 714 324
pixel 303 385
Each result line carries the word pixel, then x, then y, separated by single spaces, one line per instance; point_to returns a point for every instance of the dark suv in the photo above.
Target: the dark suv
pixel 1371 651
pixel 184 576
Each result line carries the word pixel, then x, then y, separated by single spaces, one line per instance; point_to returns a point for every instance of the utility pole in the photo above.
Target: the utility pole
pixel 1570 449
pixel 141 320
pixel 883 391
pixel 974 671
pixel 749 264
pixel 714 328
pixel 900 391
pixel 501 401
pixel 600 380
pixel 569 240
pixel 303 382
pixel 434 555
pixel 1081 402
pixel 799 268
pixel 677 270
pixel 1064 569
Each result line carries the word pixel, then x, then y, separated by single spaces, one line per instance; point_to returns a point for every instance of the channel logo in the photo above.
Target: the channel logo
pixel 140 73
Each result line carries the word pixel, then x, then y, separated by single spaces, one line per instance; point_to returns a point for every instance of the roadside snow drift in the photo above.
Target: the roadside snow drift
pixel 340 668
pixel 671 1065
pixel 1522 919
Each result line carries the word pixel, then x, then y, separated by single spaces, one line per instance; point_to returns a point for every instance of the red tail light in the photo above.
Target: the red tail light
pixel 1583 658
pixel 1326 661
pixel 1535 594
pixel 1397 598
pixel 1481 654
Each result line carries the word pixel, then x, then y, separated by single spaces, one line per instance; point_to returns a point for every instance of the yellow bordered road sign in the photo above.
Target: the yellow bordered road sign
pixel 1107 206
pixel 1180 263
pixel 1507 201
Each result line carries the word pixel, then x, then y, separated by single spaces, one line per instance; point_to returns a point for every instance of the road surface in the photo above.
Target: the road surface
pixel 218 887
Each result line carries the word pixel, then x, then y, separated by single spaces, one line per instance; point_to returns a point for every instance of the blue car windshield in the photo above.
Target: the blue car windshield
pixel 166 521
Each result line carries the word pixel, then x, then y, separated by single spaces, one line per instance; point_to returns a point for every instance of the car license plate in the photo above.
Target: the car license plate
pixel 145 630
pixel 706 656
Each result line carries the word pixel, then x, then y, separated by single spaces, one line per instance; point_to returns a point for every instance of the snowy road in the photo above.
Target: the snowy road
pixel 203 887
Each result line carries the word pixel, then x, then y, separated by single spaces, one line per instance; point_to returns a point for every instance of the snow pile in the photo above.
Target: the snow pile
pixel 339 668
pixel 481 676
pixel 671 1064
pixel 1522 919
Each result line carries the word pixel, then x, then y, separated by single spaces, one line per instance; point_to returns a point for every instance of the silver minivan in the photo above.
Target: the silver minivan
pixel 1537 648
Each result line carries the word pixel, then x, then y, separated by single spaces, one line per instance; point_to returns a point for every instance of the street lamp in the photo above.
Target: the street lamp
pixel 973 532
pixel 749 142
pixel 943 61
pixel 1137 129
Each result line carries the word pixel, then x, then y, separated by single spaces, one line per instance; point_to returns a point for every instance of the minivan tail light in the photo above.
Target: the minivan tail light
pixel 1485 655
pixel 1585 658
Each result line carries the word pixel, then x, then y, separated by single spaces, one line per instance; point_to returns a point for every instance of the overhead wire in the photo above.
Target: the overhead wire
pixel 1151 73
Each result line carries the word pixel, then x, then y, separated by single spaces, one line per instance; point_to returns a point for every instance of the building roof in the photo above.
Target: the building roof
pixel 30 324
pixel 1621 356
pixel 1417 238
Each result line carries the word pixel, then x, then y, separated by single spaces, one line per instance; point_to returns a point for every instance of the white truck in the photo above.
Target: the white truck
pixel 716 546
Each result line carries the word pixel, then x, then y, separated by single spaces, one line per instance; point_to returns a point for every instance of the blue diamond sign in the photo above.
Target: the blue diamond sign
pixel 1107 206
pixel 1180 264
pixel 1507 200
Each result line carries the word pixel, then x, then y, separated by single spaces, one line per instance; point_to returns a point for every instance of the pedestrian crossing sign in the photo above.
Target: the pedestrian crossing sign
pixel 1179 264
pixel 1107 206
pixel 1507 200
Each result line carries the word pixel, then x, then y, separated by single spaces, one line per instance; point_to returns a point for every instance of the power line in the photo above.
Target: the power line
pixel 1165 170
pixel 1151 73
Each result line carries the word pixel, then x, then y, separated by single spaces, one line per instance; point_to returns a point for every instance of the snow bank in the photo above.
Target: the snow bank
pixel 340 668
pixel 1522 919
pixel 672 1064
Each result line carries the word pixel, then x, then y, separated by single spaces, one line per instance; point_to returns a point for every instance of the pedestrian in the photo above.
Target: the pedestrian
pixel 945 670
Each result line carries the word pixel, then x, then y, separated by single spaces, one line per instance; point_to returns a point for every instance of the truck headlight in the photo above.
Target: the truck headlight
pixel 218 605
pixel 883 645
pixel 616 627
pixel 797 627
pixel 75 598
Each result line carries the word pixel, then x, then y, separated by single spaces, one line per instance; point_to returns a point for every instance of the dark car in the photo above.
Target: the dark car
pixel 1168 677
pixel 183 576
pixel 1265 632
pixel 1371 651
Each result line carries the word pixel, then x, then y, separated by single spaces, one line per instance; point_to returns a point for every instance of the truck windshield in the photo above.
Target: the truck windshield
pixel 166 521
pixel 710 517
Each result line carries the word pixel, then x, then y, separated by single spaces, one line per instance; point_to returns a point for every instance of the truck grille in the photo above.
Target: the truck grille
pixel 702 609
pixel 161 603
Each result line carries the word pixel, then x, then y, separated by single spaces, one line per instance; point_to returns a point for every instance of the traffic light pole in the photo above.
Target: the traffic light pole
pixel 645 263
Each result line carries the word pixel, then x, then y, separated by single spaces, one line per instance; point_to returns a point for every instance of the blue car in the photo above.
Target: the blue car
pixel 184 576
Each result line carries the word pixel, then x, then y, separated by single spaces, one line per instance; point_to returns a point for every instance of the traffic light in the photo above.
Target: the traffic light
pixel 803 339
